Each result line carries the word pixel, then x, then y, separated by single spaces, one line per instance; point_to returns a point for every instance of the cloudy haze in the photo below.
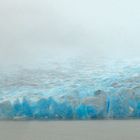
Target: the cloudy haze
pixel 31 30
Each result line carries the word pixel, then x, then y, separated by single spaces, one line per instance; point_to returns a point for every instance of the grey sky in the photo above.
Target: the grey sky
pixel 31 29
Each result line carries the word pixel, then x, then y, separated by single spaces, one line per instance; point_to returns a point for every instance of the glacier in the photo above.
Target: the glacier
pixel 70 91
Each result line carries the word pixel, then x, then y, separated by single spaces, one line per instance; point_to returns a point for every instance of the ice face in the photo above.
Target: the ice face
pixel 77 90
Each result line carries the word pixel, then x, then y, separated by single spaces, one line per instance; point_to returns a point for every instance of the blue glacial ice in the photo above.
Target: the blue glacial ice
pixel 77 90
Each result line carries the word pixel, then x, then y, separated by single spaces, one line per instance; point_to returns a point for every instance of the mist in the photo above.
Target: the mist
pixel 34 31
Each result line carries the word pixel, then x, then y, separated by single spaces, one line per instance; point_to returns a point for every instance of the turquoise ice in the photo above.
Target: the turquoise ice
pixel 76 90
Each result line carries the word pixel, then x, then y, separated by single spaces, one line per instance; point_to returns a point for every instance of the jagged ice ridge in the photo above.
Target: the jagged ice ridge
pixel 75 91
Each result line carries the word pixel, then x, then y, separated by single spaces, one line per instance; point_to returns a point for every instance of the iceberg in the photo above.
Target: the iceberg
pixel 80 91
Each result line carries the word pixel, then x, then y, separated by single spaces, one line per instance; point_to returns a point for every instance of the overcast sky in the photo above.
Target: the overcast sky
pixel 35 29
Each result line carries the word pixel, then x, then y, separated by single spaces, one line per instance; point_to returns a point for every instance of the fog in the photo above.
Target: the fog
pixel 34 31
